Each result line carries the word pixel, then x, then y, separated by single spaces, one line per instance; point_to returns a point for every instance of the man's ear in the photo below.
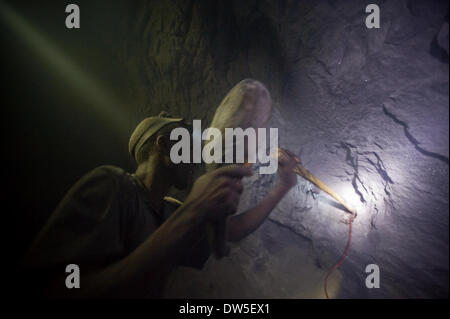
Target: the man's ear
pixel 162 146
pixel 162 143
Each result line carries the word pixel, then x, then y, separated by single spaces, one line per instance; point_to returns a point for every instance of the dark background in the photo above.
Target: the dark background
pixel 51 135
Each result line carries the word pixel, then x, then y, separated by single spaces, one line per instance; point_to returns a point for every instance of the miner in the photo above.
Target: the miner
pixel 126 236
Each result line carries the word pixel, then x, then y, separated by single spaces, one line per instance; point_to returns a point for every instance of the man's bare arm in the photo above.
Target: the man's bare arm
pixel 241 225
pixel 138 274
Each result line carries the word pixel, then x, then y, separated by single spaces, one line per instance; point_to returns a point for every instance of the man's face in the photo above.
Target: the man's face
pixel 182 173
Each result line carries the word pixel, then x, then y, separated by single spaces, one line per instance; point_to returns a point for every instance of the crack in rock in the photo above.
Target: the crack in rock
pixel 365 166
pixel 380 169
pixel 412 139
pixel 351 159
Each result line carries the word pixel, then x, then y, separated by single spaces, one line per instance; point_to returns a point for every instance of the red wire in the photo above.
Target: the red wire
pixel 347 248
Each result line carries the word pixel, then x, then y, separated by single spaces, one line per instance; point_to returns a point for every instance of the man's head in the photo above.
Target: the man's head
pixel 150 141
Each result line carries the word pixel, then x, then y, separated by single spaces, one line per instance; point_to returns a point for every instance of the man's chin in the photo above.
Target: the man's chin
pixel 181 185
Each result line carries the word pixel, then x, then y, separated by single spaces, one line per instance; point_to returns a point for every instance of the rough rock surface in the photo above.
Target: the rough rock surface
pixel 365 109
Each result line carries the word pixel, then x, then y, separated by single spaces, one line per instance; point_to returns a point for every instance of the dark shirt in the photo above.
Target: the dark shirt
pixel 102 219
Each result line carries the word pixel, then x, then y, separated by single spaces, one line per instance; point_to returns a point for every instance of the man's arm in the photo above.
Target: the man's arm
pixel 141 272
pixel 241 225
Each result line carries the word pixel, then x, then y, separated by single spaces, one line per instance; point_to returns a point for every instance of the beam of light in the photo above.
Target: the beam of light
pixel 102 101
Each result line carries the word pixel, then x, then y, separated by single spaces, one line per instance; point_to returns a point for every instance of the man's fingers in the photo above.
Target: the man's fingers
pixel 289 153
pixel 235 170
pixel 295 157
pixel 231 182
pixel 287 156
pixel 227 203
pixel 238 186
pixel 282 158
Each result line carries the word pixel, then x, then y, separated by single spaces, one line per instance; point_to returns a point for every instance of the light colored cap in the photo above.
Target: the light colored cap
pixel 146 129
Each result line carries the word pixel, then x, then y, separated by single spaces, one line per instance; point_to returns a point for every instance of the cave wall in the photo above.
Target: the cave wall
pixel 366 110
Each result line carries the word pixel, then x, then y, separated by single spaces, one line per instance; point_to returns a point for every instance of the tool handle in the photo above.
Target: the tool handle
pixel 218 234
pixel 217 238
pixel 300 170
pixel 303 172
pixel 217 231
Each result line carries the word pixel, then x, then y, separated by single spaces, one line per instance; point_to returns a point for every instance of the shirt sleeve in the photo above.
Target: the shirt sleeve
pixel 85 228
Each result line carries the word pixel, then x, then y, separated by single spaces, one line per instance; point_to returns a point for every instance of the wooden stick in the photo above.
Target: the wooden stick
pixel 303 172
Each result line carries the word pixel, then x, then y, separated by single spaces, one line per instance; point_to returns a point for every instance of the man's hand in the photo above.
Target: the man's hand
pixel 241 225
pixel 286 164
pixel 216 194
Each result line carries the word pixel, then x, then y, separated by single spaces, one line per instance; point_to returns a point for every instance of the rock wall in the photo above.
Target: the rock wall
pixel 365 109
